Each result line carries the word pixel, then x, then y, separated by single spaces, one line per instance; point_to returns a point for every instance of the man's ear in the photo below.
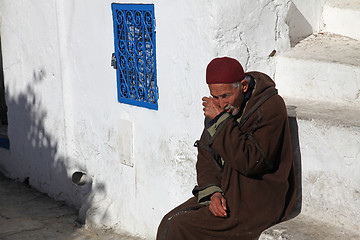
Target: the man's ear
pixel 245 85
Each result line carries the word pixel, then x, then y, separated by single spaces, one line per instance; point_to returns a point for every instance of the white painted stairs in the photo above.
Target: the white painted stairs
pixel 320 79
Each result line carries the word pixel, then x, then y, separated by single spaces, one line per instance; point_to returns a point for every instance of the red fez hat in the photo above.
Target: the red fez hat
pixel 224 70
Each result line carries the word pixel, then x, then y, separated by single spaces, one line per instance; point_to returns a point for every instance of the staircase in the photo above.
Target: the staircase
pixel 320 79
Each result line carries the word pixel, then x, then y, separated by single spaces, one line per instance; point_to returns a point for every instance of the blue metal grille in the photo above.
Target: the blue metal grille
pixel 134 33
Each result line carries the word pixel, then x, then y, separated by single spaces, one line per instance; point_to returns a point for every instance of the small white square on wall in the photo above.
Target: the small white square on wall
pixel 126 142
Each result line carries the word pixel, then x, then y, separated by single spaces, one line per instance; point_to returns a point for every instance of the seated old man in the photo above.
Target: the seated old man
pixel 245 176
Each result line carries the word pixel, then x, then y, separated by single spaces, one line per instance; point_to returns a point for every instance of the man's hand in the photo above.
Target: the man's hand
pixel 218 205
pixel 211 108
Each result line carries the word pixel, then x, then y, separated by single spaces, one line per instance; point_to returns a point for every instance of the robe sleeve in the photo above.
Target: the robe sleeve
pixel 255 150
pixel 208 171
pixel 205 194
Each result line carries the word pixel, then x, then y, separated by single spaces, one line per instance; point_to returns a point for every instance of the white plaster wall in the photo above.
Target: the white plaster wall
pixel 311 10
pixel 135 198
pixel 34 97
pixel 250 32
pixel 304 18
pixel 68 45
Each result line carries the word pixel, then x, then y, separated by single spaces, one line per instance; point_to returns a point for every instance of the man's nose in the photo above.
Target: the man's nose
pixel 222 103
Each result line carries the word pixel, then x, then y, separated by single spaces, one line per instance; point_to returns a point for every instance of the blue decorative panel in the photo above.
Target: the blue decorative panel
pixel 135 52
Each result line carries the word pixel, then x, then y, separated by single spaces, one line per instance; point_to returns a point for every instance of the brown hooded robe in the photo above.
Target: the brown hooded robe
pixel 249 160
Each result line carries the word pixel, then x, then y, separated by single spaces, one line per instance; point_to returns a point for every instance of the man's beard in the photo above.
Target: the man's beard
pixel 235 110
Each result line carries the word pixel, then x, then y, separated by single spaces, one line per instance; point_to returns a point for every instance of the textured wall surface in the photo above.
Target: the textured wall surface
pixel 64 115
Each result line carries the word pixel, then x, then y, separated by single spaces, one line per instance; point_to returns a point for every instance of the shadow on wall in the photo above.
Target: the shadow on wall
pixel 36 155
pixel 299 27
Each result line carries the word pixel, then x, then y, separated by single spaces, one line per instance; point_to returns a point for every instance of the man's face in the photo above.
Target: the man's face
pixel 226 95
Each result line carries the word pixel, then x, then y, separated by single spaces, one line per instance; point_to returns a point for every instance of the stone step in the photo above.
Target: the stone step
pixel 342 17
pixel 323 67
pixel 320 82
pixel 306 228
pixel 329 143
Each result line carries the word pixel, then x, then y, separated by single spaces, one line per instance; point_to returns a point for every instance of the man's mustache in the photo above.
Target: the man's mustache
pixel 231 109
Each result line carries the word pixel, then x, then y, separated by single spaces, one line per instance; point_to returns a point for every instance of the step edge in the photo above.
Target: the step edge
pixel 327 112
pixel 286 230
